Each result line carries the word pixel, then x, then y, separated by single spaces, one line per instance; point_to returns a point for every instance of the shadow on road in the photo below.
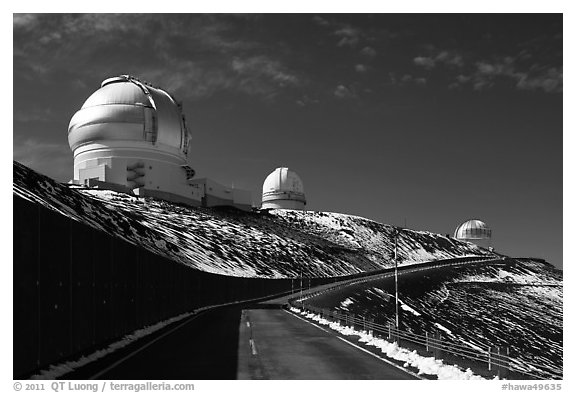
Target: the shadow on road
pixel 205 347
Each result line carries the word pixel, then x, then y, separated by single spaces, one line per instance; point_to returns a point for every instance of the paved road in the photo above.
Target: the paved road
pixel 202 347
pixel 216 345
pixel 275 344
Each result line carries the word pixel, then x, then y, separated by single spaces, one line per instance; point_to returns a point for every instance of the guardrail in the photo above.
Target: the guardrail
pixel 416 267
pixel 494 358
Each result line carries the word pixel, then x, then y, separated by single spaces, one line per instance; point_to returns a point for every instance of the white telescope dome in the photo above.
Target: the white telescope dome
pixel 283 189
pixel 474 231
pixel 131 134
pixel 129 113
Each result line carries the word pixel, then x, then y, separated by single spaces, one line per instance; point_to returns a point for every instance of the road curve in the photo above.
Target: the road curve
pixel 219 344
pixel 275 344
pixel 258 341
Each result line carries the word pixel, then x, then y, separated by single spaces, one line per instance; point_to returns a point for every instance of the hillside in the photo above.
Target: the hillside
pixel 515 304
pixel 276 244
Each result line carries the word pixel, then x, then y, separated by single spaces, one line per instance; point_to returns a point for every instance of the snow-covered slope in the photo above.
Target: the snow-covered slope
pixel 515 305
pixel 232 242
pixel 375 240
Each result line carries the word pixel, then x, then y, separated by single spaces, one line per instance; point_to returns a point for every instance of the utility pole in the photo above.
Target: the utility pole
pixel 300 285
pixel 396 275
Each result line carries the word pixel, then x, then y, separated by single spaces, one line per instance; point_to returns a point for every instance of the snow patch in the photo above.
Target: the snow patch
pixel 406 307
pixel 425 365
pixel 58 370
pixel 345 303
pixel 443 328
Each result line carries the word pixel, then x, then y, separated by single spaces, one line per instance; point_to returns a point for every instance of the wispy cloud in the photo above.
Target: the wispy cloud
pixel 264 67
pixel 444 57
pixel 487 73
pixel 450 58
pixel 406 80
pixel 410 79
pixel 24 21
pixel 424 61
pixel 349 36
pixel 484 74
pixel 320 21
pixel 368 51
pixel 342 92
pixel 549 80
pixel 229 61
pixel 260 75
pixel 306 100
pixel 253 75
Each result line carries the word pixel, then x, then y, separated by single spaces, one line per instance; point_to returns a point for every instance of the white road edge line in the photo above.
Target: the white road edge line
pixel 313 324
pixel 358 347
pixel 378 357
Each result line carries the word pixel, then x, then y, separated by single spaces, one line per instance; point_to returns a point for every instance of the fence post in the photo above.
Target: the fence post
pixel 498 362
pixel 427 348
pixel 364 321
pixel 389 331
pixel 371 330
pixel 506 367
pixel 438 352
pixel 502 362
pixel 489 358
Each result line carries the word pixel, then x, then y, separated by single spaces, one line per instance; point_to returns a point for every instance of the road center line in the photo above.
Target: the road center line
pixel 253 347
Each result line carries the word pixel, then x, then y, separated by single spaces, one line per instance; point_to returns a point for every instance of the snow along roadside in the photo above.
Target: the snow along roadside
pixel 425 365
pixel 58 370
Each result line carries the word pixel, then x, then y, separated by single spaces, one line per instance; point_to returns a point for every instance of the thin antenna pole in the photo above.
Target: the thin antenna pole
pixel 396 276
pixel 300 284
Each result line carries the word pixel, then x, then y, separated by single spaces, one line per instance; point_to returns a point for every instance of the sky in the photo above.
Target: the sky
pixel 418 120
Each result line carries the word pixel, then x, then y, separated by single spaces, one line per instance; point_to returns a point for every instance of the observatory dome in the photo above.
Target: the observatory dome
pixel 283 189
pixel 127 112
pixel 132 136
pixel 474 231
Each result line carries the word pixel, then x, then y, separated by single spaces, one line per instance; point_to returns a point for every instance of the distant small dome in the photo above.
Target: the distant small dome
pixel 473 230
pixel 283 189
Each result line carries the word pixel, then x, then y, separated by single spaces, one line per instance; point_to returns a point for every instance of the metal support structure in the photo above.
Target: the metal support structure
pixel 300 285
pixel 396 276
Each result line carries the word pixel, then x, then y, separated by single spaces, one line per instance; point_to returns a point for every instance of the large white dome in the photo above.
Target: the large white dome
pixel 283 189
pixel 128 113
pixel 473 230
pixel 132 135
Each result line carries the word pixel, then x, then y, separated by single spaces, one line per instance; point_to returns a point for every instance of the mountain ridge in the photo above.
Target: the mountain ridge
pixel 265 244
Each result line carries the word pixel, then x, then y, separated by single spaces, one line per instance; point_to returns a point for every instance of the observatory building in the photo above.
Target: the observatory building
pixel 130 136
pixel 283 189
pixel 474 231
